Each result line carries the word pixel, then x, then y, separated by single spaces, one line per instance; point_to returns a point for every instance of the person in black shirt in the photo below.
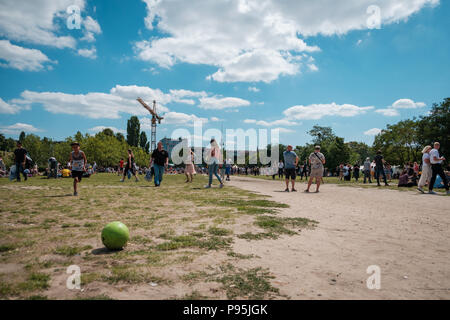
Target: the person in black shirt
pixel 379 168
pixel 20 155
pixel 160 160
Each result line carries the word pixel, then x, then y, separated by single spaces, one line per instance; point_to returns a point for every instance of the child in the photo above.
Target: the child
pixel 78 164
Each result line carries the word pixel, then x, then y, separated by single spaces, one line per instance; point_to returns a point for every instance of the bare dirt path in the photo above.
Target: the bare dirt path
pixel 406 234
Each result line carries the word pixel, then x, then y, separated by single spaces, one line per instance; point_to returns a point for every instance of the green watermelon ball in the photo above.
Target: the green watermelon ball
pixel 115 235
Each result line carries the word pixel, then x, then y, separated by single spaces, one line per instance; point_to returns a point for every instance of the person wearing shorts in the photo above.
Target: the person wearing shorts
pixel 317 160
pixel 78 164
pixel 290 165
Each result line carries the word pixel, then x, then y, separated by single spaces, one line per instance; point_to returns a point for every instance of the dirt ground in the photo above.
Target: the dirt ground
pixel 406 234
pixel 249 240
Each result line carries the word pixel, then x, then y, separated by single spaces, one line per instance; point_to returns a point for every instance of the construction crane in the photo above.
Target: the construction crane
pixel 155 118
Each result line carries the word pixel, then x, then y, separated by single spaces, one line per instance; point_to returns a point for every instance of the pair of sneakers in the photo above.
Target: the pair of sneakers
pixel 430 192
pixel 208 186
pixel 293 190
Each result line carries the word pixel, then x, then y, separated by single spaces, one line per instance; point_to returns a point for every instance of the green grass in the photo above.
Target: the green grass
pixel 35 281
pixel 69 251
pixel 186 222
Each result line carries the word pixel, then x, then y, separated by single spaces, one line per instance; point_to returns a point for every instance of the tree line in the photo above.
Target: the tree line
pixel 400 143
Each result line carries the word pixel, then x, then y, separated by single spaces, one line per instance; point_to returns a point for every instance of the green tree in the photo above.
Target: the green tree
pixel 22 136
pixel 321 134
pixel 133 131
pixel 143 140
pixel 435 127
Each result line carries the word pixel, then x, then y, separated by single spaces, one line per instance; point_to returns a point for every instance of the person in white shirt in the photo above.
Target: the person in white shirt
pixel 436 168
pixel 426 168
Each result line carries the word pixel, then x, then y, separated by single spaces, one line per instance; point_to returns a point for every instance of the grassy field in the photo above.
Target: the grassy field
pixel 181 239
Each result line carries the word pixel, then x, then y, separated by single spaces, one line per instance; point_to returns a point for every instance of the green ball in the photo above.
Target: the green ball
pixel 115 235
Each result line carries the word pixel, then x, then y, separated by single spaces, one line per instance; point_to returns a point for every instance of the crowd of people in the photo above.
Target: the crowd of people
pixel 430 172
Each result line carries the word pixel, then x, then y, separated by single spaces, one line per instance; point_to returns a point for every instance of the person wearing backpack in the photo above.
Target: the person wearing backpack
pixel 20 156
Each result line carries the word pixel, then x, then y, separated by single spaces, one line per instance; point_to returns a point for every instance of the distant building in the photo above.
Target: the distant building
pixel 169 144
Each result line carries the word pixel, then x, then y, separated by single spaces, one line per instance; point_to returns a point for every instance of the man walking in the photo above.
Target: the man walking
pixel 20 155
pixel 290 164
pixel 367 170
pixel 436 168
pixel 317 160
pixel 379 168
pixel 159 161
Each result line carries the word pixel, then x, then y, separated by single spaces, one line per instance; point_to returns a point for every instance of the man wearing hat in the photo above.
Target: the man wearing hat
pixel 78 164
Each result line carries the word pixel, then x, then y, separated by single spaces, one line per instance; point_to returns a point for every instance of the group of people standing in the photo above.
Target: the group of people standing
pixel 316 160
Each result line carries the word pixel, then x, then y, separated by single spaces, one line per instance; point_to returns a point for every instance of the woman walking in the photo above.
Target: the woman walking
pixel 130 167
pixel 189 169
pixel 213 160
pixel 426 169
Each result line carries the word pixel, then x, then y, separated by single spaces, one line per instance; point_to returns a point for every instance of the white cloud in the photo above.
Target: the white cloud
pixel 284 130
pixel 91 28
pixel 372 132
pixel 174 118
pixel 318 111
pixel 7 108
pixel 88 53
pixel 358 42
pixel 20 58
pixel 407 104
pixel 18 128
pixel 393 110
pixel 44 22
pixel 101 128
pixel 215 119
pixel 253 89
pixel 255 40
pixel 388 112
pixel 281 122
pixel 37 21
pixel 219 103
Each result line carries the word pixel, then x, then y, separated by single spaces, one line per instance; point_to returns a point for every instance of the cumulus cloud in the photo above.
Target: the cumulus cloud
pixel 23 59
pixel 36 21
pixel 121 99
pixel 18 128
pixel 389 112
pixel 44 22
pixel 393 110
pixel 219 103
pixel 265 38
pixel 372 132
pixel 91 28
pixel 174 118
pixel 318 111
pixel 8 108
pixel 88 53
pixel 281 122
pixel 253 89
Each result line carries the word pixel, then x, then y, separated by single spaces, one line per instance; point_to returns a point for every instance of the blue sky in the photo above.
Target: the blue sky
pixel 235 63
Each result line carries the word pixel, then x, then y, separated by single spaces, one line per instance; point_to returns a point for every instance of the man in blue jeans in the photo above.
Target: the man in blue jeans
pixel 160 160
pixel 20 155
